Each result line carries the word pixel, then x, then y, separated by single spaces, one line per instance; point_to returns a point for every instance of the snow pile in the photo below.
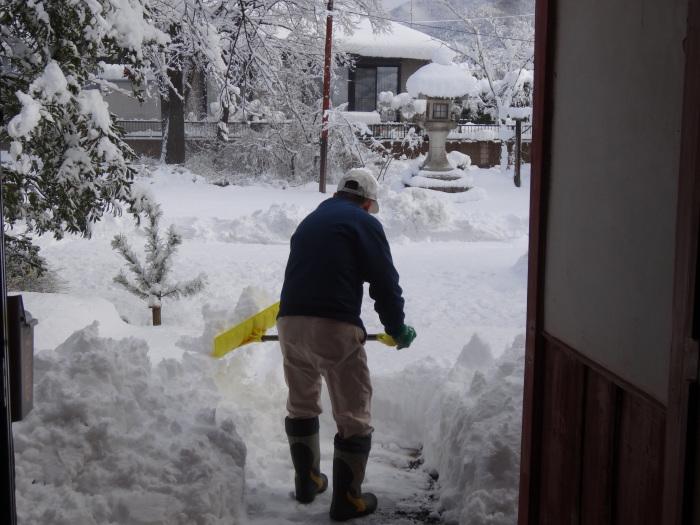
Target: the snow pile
pixel 219 319
pixel 473 440
pixel 418 214
pixel 468 420
pixel 113 440
pixel 277 224
pixel 413 213
pixel 459 160
pixel 52 325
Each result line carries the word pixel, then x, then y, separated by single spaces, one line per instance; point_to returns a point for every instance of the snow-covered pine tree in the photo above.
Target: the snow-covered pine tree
pixel 150 278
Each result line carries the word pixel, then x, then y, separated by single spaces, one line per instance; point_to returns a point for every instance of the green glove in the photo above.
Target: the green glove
pixel 405 338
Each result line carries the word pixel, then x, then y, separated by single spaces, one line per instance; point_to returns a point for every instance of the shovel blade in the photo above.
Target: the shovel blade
pixel 249 331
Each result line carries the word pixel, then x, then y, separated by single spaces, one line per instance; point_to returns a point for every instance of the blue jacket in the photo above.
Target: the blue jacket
pixel 334 251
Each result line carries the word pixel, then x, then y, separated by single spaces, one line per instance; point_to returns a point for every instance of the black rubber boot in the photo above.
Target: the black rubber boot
pixel 306 457
pixel 349 463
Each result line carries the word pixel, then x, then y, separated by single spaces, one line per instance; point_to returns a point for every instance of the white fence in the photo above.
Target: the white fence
pixel 152 129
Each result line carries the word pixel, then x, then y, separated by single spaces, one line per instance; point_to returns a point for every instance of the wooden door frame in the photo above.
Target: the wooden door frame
pixel 8 512
pixel 539 193
pixel 679 481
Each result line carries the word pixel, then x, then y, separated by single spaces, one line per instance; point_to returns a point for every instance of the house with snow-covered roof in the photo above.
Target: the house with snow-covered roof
pixel 382 62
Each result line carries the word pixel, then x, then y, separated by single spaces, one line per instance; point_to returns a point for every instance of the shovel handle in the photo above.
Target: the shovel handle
pixel 275 337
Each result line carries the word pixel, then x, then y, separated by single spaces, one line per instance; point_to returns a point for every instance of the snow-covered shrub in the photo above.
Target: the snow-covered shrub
pixel 385 107
pixel 48 281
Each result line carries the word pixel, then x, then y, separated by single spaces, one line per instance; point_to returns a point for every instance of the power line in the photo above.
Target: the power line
pixel 471 19
pixel 447 28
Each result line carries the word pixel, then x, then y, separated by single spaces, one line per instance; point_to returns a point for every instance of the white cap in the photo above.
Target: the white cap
pixel 360 182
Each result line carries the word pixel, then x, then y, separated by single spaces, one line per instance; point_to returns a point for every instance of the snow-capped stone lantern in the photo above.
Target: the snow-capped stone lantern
pixel 440 83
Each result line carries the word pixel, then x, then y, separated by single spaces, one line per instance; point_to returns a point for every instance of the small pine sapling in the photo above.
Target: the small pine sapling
pixel 150 280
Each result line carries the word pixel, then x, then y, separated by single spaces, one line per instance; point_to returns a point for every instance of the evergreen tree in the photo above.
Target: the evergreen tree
pixel 67 163
pixel 150 279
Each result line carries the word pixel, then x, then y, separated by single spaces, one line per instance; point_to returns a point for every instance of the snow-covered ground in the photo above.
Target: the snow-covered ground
pixel 135 424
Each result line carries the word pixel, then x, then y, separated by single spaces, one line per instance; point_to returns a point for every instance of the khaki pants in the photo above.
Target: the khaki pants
pixel 315 347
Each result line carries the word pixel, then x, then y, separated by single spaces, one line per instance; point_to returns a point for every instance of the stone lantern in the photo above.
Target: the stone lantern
pixel 439 84
pixel 438 124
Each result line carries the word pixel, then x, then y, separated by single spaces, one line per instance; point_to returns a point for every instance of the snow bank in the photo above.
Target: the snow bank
pixel 55 326
pixel 474 439
pixel 414 213
pixel 112 439
pixel 468 420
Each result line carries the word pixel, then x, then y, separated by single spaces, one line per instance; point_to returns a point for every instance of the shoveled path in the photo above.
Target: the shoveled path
pixel 406 494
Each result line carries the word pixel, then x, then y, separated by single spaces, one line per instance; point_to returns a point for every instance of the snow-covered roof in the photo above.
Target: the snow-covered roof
pixel 400 42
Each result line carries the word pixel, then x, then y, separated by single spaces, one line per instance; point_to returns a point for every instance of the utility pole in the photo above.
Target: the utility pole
pixel 326 98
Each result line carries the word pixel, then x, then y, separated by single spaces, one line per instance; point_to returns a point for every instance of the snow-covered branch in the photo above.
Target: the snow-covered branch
pixel 68 164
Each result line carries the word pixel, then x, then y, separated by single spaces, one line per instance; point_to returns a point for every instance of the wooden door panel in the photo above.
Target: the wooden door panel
pixel 639 462
pixel 600 426
pixel 561 429
pixel 599 455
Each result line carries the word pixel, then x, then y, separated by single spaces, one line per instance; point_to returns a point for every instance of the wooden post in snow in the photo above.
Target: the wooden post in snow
pixel 518 146
pixel 326 98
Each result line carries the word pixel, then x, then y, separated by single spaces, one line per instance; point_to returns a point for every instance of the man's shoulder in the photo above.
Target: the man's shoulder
pixel 337 205
pixel 341 210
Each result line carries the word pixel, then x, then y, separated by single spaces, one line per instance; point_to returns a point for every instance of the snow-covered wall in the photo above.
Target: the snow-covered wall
pixel 614 171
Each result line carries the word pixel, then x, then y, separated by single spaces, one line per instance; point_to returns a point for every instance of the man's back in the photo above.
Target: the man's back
pixel 337 248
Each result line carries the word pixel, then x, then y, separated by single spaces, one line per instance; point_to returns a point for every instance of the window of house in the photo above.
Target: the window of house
pixel 387 79
pixel 370 81
pixel 365 89
pixel 339 87
pixel 440 111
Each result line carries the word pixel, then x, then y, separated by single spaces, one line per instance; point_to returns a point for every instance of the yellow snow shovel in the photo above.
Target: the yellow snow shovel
pixel 253 329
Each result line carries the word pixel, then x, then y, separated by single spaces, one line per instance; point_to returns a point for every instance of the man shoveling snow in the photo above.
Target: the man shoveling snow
pixel 334 251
